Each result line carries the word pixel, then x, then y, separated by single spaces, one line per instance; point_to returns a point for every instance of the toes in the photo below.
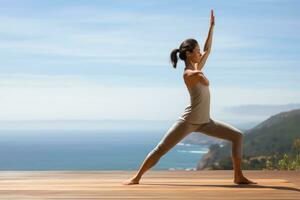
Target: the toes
pixel 130 182
pixel 244 181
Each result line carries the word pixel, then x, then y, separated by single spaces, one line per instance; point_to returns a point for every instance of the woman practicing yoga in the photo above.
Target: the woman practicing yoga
pixel 196 116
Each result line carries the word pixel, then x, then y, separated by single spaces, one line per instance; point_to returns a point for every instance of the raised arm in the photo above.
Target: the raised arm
pixel 207 46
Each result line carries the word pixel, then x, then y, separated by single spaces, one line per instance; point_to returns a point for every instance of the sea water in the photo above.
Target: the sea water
pixel 90 150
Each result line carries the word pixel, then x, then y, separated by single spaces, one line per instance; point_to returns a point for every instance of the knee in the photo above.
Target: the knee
pixel 240 136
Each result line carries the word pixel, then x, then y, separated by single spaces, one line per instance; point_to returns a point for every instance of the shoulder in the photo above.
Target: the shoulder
pixel 191 76
pixel 188 73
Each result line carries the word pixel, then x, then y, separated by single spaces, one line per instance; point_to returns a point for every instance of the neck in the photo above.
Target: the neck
pixel 189 65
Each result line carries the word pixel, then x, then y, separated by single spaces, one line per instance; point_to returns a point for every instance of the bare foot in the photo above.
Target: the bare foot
pixel 243 180
pixel 131 181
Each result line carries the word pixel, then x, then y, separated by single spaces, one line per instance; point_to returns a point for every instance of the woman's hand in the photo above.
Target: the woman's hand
pixel 212 18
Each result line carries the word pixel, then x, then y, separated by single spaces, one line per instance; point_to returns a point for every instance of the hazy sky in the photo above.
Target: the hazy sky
pixel 110 59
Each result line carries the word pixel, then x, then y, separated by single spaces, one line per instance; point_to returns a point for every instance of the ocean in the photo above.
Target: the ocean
pixel 90 150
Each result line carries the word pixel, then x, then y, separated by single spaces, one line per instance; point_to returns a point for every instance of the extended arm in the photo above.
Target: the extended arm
pixel 207 49
pixel 207 46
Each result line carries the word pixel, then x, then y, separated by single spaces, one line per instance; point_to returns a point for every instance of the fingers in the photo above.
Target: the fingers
pixel 212 17
pixel 212 14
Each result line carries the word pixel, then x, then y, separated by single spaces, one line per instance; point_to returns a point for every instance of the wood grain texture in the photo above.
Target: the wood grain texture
pixel 205 184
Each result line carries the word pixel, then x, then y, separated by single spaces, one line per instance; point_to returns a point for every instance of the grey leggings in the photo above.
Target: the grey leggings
pixel 181 128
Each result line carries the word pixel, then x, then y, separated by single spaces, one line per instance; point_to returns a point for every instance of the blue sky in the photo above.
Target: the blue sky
pixel 110 59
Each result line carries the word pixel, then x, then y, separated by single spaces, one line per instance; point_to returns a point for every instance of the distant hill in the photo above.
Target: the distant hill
pixel 273 136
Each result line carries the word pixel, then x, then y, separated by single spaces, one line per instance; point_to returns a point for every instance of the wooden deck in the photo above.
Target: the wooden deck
pixel 204 184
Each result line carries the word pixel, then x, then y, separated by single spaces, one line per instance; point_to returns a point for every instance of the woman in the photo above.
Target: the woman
pixel 196 116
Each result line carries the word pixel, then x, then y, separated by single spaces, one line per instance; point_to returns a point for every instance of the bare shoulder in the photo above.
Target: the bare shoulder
pixel 190 73
pixel 189 76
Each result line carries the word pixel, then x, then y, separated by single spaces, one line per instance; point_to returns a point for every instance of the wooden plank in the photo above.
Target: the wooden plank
pixel 205 184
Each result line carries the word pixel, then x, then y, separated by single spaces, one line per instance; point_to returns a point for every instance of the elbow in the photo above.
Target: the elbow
pixel 208 50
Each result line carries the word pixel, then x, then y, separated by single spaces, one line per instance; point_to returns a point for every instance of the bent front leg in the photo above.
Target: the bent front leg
pixel 225 131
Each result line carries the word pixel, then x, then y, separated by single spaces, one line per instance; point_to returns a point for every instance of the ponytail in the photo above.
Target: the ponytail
pixel 186 45
pixel 174 58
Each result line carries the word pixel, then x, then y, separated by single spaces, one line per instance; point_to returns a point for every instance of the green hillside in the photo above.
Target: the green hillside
pixel 267 141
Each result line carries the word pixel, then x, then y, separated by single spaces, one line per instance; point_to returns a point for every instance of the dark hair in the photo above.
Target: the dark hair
pixel 186 45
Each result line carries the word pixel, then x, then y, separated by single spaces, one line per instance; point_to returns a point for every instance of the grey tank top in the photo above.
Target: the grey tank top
pixel 198 111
